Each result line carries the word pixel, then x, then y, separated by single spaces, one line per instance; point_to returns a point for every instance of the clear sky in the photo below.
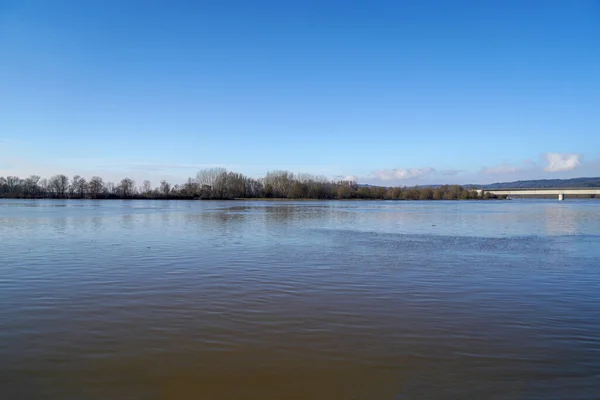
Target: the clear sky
pixel 394 92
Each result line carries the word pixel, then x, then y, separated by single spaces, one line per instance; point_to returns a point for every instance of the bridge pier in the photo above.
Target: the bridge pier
pixel 561 197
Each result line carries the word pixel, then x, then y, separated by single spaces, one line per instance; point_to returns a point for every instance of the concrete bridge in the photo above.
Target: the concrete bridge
pixel 560 193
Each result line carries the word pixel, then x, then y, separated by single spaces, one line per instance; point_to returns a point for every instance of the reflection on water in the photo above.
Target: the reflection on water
pixel 410 300
pixel 562 220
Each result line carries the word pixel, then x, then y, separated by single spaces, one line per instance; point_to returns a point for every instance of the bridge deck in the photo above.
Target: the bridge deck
pixel 561 193
pixel 524 192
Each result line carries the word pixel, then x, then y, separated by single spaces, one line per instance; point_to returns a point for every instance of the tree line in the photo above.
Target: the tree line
pixel 218 183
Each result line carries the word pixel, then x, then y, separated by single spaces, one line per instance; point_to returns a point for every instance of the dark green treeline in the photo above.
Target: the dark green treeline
pixel 218 183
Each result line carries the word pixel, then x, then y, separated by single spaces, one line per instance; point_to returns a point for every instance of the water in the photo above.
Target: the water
pixel 259 300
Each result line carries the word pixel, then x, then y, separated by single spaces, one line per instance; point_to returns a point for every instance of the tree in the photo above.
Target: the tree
pixel 126 187
pixel 3 187
pixel 80 187
pixel 343 192
pixel 218 183
pixel 254 188
pixel 111 189
pixel 413 194
pixel 280 182
pixel 96 186
pixel 12 182
pixel 147 188
pixel 31 185
pixel 14 187
pixel 426 194
pixel 190 188
pixel 43 187
pixel 364 193
pixel 298 191
pixel 207 178
pixel 59 184
pixel 268 190
pixel 165 188
pixel 72 186
pixel 230 185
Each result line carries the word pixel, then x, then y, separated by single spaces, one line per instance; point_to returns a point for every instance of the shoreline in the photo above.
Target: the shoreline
pixel 273 199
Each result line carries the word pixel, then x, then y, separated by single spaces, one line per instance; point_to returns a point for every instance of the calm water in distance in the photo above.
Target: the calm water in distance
pixel 299 300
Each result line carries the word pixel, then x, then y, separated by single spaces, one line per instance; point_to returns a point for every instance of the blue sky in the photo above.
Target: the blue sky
pixel 394 92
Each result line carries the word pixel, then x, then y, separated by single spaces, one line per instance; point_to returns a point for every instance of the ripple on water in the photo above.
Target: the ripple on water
pixel 299 300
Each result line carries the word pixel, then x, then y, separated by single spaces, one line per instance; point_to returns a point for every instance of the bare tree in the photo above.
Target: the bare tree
pixel 14 186
pixel 165 188
pixel 31 185
pixel 96 186
pixel 279 182
pixel 220 184
pixel 147 188
pixel 230 185
pixel 43 187
pixel 126 187
pixel 111 189
pixel 59 184
pixel 207 178
pixel 12 182
pixel 79 186
pixel 190 188
pixel 254 188
pixel 73 186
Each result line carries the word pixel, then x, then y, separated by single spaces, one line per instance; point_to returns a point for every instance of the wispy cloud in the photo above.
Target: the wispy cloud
pixel 450 172
pixel 562 162
pixel 401 174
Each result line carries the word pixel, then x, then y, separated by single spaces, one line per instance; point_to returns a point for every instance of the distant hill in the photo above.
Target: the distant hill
pixel 544 183
pixel 531 184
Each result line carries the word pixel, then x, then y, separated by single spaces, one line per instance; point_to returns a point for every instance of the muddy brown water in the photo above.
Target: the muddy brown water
pixel 299 300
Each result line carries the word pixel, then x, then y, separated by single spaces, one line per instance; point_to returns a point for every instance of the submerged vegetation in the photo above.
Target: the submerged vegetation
pixel 218 183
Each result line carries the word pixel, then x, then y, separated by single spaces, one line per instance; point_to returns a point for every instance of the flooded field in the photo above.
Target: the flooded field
pixel 259 300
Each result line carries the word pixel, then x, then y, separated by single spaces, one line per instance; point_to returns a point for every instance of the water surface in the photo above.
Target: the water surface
pixel 258 300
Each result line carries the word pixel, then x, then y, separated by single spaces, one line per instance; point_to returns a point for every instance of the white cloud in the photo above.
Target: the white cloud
pixel 501 169
pixel 450 172
pixel 352 178
pixel 401 174
pixel 562 162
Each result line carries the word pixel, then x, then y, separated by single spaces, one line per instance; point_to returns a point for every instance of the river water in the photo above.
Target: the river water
pixel 299 300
